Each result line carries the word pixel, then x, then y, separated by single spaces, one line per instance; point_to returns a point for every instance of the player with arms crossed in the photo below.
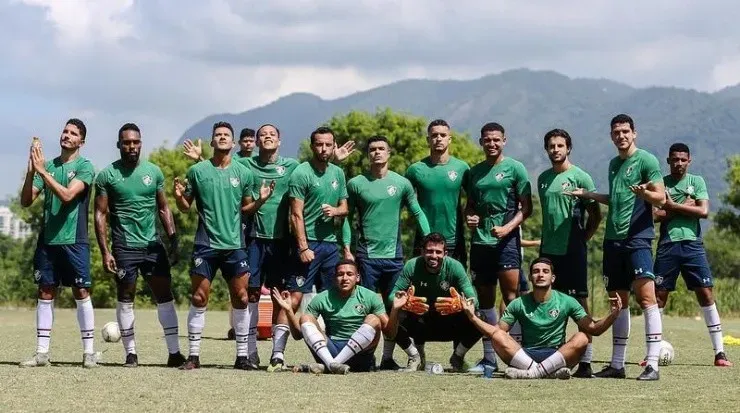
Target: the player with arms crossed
pixel 543 315
pixel 680 246
pixel 377 197
pixel 434 278
pixel 221 190
pixel 131 191
pixel 565 229
pixel 499 200
pixel 635 187
pixel 63 252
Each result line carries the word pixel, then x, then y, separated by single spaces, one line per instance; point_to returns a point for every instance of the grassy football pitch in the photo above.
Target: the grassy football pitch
pixel 690 384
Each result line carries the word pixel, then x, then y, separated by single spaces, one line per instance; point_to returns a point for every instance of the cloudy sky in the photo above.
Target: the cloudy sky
pixel 166 67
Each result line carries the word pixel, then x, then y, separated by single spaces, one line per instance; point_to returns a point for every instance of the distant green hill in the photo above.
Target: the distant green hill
pixel 528 104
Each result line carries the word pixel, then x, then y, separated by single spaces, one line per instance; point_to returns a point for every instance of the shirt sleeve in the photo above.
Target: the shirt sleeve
pixel 160 180
pixel 315 305
pixel 191 187
pixel 404 280
pixel 415 208
pixel 297 186
pixel 523 187
pixel 376 305
pixel 651 169
pixel 466 178
pixel 101 184
pixel 575 309
pixel 510 314
pixel 700 189
pixel 85 172
pixel 247 183
pixel 345 237
pixel 38 181
pixel 586 182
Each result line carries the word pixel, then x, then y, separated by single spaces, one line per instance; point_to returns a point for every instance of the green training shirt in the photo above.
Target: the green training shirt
pixel 66 224
pixel 438 192
pixel 543 324
pixel 343 316
pixel 495 190
pixel 682 227
pixel 132 201
pixel 316 188
pixel 431 286
pixel 563 216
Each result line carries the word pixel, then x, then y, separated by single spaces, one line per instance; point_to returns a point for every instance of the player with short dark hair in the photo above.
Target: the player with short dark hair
pixel 131 192
pixel 680 246
pixel 565 229
pixel 247 142
pixel 62 256
pixel 499 200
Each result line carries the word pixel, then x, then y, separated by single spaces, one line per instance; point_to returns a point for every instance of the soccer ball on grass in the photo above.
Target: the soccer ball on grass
pixel 665 357
pixel 110 332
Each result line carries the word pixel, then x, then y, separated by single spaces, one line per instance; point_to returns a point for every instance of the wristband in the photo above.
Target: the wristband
pixel 303 250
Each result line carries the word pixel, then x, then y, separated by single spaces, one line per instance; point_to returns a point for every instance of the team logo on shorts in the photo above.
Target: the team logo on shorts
pixel 606 280
pixel 360 308
pixel 37 275
pixel 392 190
pixel 198 261
pixel 554 313
pixel 499 176
pixel 334 184
pixel 690 189
pixel 452 175
pixel 121 273
pixel 659 280
pixel 444 285
pixel 147 180
pixel 280 170
pixel 234 181
pixel 300 281
pixel 71 175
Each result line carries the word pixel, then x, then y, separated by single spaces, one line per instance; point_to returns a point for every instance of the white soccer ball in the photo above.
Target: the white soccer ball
pixel 110 332
pixel 665 357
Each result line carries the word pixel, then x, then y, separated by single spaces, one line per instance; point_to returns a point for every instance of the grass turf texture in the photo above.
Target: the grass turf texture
pixel 690 384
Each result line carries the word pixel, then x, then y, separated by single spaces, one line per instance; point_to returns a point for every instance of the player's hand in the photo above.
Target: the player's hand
pixel 282 299
pixel 266 190
pixel 499 232
pixel 400 299
pixel 689 201
pixel 577 192
pixel 414 304
pixel 174 249
pixel 348 255
pixel 468 305
pixel 472 221
pixel 192 150
pixel 449 305
pixel 179 187
pixel 343 152
pixel 638 190
pixel 109 263
pixel 307 256
pixel 615 304
pixel 328 210
pixel 37 159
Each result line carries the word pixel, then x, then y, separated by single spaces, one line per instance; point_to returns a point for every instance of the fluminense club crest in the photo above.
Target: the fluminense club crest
pixel 444 285
pixel 147 180
pixel 690 189
pixel 280 170
pixel 499 176
pixel 565 185
pixel 392 190
pixel 334 184
pixel 554 313
pixel 452 175
pixel 234 181
pixel 628 172
pixel 71 175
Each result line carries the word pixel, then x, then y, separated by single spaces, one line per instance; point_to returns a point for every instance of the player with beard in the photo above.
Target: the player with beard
pixel 131 192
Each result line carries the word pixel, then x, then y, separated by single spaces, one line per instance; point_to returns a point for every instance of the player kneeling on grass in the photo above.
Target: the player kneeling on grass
pixel 354 317
pixel 543 315
pixel 432 278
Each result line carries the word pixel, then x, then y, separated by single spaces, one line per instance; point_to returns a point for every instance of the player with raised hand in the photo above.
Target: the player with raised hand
pixel 635 187
pixel 435 278
pixel 377 197
pixel 565 229
pixel 680 246
pixel 499 200
pixel 543 315
pixel 62 256
pixel 222 190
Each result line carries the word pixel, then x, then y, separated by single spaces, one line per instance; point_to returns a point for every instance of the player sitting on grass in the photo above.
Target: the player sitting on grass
pixel 543 315
pixel 353 315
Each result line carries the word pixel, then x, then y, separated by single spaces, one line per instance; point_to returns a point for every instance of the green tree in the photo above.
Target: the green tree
pixel 722 241
pixel 727 217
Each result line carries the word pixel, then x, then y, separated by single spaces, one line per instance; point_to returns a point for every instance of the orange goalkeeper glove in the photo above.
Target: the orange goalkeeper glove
pixel 450 305
pixel 416 305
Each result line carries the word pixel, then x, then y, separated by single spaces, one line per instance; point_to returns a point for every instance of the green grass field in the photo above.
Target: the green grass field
pixel 690 384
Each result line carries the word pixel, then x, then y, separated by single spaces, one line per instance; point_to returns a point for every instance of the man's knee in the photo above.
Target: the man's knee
pixel 126 293
pixel 486 295
pixel 372 320
pixel 579 340
pixel 240 299
pixel 704 296
pixel 162 289
pixel 47 292
pixel 80 293
pixel 199 298
pixel 307 318
pixel 254 294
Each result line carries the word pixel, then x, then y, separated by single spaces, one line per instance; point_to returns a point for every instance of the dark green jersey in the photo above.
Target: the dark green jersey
pixel 438 189
pixel 378 203
pixel 495 190
pixel 238 155
pixel 543 324
pixel 66 223
pixel 218 194
pixel 431 286
pixel 343 316
pixel 271 220
pixel 682 227
pixel 563 216
pixel 630 216
pixel 132 201
pixel 315 189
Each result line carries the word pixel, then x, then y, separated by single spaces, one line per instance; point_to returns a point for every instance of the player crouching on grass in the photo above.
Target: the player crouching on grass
pixel 354 317
pixel 543 315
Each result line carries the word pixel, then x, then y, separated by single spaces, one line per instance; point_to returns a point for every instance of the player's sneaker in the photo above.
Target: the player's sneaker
pixel 481 366
pixel 315 368
pixel 192 363
pixel 338 368
pixel 584 371
pixel 176 360
pixel 415 363
pixel 254 361
pixel 642 363
pixel 518 374
pixel 132 360
pixel 276 365
pixel 231 335
pixel 389 364
pixel 649 374
pixel 89 361
pixel 457 363
pixel 561 373
pixel 242 363
pixel 38 360
pixel 610 372
pixel 720 360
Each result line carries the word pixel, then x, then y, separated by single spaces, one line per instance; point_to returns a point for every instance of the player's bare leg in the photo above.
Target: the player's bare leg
pixel 487 300
pixel 509 285
pixel 239 302
pixel 201 288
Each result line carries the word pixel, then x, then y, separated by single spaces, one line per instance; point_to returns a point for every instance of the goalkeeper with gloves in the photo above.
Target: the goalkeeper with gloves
pixel 427 305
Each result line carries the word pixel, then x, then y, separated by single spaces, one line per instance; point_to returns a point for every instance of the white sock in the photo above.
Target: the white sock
pixel 196 322
pixel 653 334
pixel 522 361
pixel 317 342
pixel 516 332
pixel 588 355
pixel 44 321
pixel 241 328
pixel 388 347
pixel 254 314
pixel 280 333
pixel 551 364
pixel 168 319
pixel 491 318
pixel 125 317
pixel 360 340
pixel 714 325
pixel 86 320
pixel 620 336
pixel 411 350
pixel 461 350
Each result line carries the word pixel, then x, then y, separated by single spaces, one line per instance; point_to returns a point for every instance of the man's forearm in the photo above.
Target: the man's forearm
pixel 600 198
pixel 391 329
pixel 655 198
pixel 101 231
pixel 693 211
pixel 27 191
pixel 599 327
pixel 299 229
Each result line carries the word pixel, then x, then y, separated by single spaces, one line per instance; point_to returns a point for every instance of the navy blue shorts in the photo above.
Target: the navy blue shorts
pixel 319 272
pixel 379 274
pixel 148 261
pixel 207 260
pixel 626 261
pixel 360 362
pixel 539 354
pixel 65 265
pixel 687 257
pixel 273 263
pixel 486 261
pixel 571 272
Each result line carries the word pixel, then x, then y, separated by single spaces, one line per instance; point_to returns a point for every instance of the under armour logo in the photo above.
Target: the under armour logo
pixel 638 271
